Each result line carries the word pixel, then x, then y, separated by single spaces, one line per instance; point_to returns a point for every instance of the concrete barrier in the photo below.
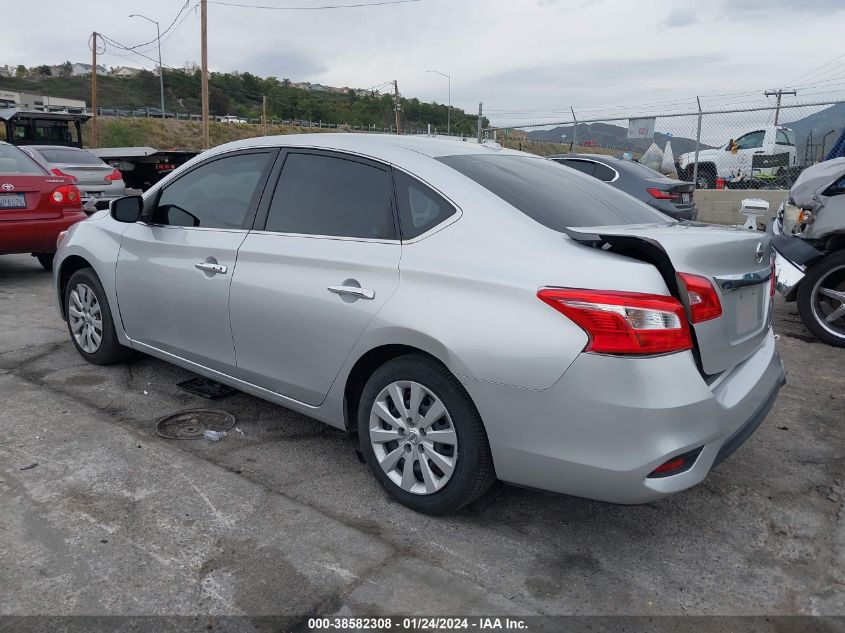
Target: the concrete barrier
pixel 721 206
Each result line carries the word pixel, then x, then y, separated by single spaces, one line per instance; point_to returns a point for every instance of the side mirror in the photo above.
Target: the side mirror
pixel 127 209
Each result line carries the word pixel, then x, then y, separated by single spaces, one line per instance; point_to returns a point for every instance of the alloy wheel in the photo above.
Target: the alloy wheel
pixel 413 437
pixel 828 301
pixel 86 320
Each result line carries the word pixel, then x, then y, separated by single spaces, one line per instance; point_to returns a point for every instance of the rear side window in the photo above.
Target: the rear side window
pixel 420 208
pixel 785 137
pixel 584 166
pixel 324 195
pixel 604 173
pixel 70 157
pixel 551 194
pixel 14 162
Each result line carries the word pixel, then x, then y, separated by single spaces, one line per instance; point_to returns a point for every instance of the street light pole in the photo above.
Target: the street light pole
pixel 160 67
pixel 449 111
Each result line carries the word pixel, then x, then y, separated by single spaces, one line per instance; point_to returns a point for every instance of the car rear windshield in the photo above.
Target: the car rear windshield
pixel 15 162
pixel 70 157
pixel 551 194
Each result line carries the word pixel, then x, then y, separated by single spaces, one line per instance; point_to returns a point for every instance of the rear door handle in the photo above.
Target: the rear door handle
pixel 212 268
pixel 353 291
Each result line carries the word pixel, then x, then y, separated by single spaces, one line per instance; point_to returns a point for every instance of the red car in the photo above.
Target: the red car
pixel 35 206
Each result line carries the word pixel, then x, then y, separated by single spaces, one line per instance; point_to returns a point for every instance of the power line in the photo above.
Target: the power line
pixel 318 8
pixel 163 33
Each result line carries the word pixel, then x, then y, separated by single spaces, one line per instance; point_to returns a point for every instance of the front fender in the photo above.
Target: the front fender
pixel 96 241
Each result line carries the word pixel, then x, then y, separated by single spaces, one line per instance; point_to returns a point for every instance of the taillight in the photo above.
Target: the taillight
pixel 115 175
pixel 704 302
pixel 59 172
pixel 773 281
pixel 624 322
pixel 662 195
pixel 65 195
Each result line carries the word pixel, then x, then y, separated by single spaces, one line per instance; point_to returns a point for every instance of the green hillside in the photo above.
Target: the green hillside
pixel 241 94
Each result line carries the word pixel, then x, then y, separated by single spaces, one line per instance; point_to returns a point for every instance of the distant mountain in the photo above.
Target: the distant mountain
pixel 614 137
pixel 820 123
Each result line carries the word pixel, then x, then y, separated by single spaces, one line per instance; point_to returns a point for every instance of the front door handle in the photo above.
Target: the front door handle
pixel 353 291
pixel 210 267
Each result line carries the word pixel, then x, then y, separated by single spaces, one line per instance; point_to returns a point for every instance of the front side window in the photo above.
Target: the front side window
pixel 420 208
pixel 215 195
pixel 324 195
pixel 752 140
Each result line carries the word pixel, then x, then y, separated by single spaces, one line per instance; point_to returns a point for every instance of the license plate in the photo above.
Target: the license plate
pixel 750 304
pixel 12 201
pixel 685 198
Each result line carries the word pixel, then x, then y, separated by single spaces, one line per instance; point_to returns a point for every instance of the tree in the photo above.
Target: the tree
pixel 21 71
pixel 44 70
pixel 66 70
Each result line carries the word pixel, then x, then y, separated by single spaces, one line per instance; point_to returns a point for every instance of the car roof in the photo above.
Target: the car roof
pixel 38 147
pixel 596 157
pixel 381 146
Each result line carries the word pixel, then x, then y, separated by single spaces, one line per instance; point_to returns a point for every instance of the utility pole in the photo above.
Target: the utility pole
pixel 264 113
pixel 449 111
pixel 697 145
pixel 479 120
pixel 204 47
pixel 779 93
pixel 396 106
pixel 160 67
pixel 94 139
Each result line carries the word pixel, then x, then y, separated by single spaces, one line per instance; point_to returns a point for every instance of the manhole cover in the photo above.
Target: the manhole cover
pixel 190 424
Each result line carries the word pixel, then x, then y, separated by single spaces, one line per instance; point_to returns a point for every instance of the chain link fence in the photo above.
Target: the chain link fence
pixel 754 147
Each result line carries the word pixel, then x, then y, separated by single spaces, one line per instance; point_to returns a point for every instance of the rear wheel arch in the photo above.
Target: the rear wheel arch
pixel 70 265
pixel 365 366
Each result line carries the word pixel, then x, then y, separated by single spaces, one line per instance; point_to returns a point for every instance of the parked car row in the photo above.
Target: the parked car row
pixel 472 313
pixel 35 205
pixel 98 182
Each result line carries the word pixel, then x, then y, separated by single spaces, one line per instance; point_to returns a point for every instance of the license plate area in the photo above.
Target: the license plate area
pixel 12 201
pixel 686 198
pixel 750 305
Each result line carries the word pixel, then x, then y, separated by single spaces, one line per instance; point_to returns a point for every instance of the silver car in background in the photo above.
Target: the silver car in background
pixel 472 312
pixel 98 182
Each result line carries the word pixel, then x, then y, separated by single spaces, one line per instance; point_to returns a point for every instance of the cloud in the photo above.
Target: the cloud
pixel 679 18
pixel 291 64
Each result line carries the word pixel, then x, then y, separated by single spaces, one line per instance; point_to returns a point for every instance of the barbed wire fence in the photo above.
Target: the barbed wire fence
pixel 756 146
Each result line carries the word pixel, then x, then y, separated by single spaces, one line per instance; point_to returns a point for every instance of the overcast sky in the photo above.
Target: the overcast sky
pixel 525 59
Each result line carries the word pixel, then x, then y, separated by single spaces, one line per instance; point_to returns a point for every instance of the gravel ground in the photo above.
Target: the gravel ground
pixel 281 518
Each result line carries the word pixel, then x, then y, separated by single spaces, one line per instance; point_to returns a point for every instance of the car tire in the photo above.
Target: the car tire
pixel 85 300
pixel 429 486
pixel 706 177
pixel 828 273
pixel 45 259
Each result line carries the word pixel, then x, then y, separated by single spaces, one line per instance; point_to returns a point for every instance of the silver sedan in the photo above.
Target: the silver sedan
pixel 98 182
pixel 472 312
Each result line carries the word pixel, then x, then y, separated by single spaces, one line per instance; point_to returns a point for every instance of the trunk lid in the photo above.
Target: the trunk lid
pixel 88 175
pixel 737 262
pixel 24 197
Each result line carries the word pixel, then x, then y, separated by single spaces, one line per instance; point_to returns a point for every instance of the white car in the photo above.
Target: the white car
pixel 232 119
pixel 774 146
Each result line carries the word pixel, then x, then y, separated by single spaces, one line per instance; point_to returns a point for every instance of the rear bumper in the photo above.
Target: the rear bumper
pixel 35 236
pixel 610 421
